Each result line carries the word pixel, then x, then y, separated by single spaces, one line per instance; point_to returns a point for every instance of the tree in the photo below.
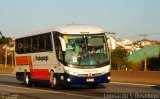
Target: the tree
pixel 119 58
pixel 0 34
pixel 2 53
pixel 154 64
pixel 4 40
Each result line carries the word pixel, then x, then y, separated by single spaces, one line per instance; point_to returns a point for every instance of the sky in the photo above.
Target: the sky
pixel 127 18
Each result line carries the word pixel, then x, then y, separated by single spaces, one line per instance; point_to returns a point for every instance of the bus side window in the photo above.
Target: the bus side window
pixel 17 46
pixel 34 44
pixel 21 47
pixel 48 42
pixel 40 45
pixel 25 45
pixel 56 43
pixel 58 47
pixel 28 45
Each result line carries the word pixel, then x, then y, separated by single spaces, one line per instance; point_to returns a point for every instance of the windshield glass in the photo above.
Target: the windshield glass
pixel 86 50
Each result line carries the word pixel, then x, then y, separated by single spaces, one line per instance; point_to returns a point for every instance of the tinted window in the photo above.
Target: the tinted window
pixel 37 43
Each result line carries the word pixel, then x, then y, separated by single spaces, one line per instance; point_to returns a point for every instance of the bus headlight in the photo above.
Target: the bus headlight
pixel 73 73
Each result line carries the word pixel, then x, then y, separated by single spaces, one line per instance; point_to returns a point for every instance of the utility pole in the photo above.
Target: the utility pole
pixel 145 52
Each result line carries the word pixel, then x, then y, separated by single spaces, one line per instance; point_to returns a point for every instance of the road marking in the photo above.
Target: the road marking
pixel 57 92
pixel 132 84
pixel 7 75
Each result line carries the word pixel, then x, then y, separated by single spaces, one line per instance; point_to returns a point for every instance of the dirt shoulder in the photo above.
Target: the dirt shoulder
pixel 141 77
pixel 6 70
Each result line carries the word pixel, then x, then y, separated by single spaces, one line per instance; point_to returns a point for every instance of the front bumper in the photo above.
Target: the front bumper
pixel 70 79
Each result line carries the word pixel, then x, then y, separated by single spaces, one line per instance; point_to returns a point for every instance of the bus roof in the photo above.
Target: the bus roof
pixel 70 29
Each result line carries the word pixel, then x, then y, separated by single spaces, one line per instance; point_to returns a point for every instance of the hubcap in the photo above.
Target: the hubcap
pixel 27 79
pixel 54 81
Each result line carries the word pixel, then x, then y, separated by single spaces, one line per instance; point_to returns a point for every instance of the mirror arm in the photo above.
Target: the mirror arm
pixel 63 43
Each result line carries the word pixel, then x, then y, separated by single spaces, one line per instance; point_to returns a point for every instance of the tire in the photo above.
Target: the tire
pixel 67 86
pixel 92 85
pixel 27 79
pixel 54 81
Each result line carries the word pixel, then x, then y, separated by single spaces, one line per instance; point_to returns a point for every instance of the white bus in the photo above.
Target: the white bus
pixel 65 55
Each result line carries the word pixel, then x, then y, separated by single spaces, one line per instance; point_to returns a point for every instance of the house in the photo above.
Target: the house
pixel 146 42
pixel 126 44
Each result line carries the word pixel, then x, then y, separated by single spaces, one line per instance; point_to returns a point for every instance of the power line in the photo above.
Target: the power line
pixel 143 35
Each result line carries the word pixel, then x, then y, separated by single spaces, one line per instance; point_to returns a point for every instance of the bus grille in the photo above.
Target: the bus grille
pixel 90 75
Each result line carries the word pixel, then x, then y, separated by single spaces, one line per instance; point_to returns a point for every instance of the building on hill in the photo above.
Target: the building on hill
pixel 126 44
pixel 146 42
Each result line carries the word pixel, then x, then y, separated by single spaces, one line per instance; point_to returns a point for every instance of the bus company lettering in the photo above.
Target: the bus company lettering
pixel 90 71
pixel 41 58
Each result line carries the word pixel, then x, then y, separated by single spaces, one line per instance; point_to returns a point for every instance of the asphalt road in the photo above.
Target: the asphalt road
pixel 10 87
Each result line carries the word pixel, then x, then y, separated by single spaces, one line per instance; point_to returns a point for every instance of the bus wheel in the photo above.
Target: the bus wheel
pixel 92 85
pixel 27 79
pixel 53 81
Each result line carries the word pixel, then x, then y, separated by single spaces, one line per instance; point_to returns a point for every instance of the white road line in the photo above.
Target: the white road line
pixel 133 84
pixel 52 91
pixel 7 75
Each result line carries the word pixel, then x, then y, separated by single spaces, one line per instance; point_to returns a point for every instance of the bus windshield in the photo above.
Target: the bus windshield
pixel 86 50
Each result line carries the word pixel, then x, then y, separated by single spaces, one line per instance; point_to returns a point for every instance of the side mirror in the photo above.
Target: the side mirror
pixel 63 43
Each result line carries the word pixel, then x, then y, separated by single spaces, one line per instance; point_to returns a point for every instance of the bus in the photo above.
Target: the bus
pixel 63 56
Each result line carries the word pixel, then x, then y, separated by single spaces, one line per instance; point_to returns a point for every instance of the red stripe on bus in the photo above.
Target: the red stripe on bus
pixel 23 60
pixel 40 74
pixel 35 73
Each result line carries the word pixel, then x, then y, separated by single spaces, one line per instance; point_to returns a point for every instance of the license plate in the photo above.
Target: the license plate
pixel 90 79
